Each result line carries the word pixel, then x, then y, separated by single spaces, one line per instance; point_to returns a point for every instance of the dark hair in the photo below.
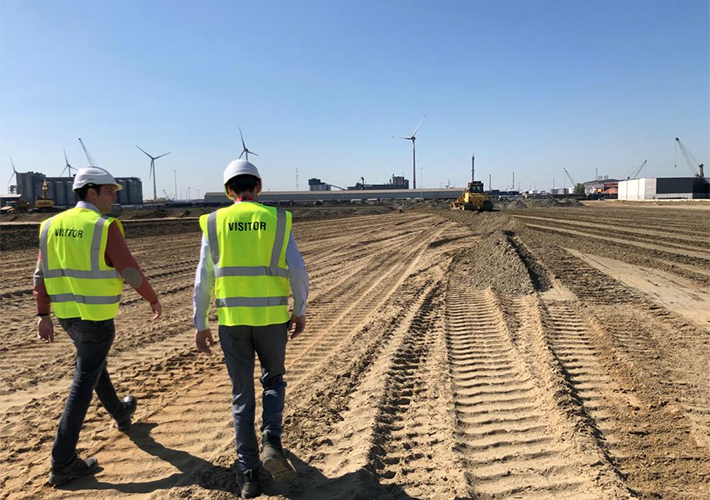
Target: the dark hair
pixel 83 190
pixel 243 183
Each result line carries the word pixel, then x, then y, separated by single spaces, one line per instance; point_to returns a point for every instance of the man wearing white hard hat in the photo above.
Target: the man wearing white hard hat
pixel 83 261
pixel 249 258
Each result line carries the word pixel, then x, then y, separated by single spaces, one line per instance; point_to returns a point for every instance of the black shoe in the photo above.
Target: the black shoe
pixel 273 458
pixel 130 403
pixel 75 469
pixel 249 483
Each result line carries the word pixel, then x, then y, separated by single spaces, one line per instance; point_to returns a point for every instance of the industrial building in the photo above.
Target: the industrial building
pixel 288 197
pixel 317 185
pixel 396 182
pixel 599 186
pixel 29 187
pixel 664 188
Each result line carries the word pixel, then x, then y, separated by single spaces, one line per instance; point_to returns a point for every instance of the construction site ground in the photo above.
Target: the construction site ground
pixel 538 353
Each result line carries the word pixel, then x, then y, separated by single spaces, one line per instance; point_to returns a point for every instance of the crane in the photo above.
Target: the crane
pixel 88 155
pixel 636 172
pixel 570 178
pixel 692 161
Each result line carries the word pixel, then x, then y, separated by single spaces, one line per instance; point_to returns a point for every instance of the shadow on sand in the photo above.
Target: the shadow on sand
pixel 206 480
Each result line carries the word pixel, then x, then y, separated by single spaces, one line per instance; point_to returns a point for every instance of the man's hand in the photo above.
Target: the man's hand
pixel 45 329
pixel 157 310
pixel 204 340
pixel 300 322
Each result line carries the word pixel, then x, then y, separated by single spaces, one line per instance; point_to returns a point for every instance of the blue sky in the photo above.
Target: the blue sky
pixel 526 86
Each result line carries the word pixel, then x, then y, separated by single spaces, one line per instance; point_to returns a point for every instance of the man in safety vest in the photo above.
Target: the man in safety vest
pixel 83 261
pixel 249 258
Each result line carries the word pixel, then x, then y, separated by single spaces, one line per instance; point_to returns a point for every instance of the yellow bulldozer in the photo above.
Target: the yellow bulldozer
pixel 473 198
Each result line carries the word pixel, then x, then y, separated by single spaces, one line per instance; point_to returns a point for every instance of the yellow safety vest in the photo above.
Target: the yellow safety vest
pixel 248 245
pixel 78 281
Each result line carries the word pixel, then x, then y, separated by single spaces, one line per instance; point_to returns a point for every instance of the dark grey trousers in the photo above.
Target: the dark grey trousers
pixel 239 344
pixel 92 340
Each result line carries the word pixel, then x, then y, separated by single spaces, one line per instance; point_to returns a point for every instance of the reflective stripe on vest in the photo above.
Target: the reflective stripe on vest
pixel 254 295
pixel 92 294
pixel 83 299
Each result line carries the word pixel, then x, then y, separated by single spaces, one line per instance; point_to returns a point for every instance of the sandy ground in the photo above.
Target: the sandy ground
pixel 447 355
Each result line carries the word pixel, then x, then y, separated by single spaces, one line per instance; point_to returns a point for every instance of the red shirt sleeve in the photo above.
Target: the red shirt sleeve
pixel 119 256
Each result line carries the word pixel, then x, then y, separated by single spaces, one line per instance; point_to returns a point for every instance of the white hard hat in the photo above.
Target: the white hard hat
pixel 240 167
pixel 94 175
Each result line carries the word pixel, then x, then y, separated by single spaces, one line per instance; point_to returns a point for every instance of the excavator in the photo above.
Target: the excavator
pixel 44 203
pixel 473 198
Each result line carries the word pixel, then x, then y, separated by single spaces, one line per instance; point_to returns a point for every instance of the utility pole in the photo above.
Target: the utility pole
pixel 553 183
pixel 188 193
pixel 490 187
pixel 513 186
pixel 175 176
pixel 296 179
pixel 473 168
pixel 596 174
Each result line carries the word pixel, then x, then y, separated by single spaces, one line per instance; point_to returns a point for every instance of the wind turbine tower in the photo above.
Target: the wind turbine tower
pixel 413 138
pixel 13 187
pixel 245 149
pixel 152 169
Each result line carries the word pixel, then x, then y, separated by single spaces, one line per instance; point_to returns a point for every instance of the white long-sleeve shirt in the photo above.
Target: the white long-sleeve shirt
pixel 204 282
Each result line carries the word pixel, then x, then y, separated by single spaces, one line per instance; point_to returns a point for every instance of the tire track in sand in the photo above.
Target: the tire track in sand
pixel 505 442
pixel 641 437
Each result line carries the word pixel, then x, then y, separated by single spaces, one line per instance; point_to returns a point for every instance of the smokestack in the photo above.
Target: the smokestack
pixel 473 168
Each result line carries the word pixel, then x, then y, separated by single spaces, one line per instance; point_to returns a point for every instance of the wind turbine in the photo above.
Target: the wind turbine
pixel 245 151
pixel 152 169
pixel 14 174
pixel 68 167
pixel 414 152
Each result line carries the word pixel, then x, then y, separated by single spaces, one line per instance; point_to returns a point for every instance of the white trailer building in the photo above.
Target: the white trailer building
pixel 659 188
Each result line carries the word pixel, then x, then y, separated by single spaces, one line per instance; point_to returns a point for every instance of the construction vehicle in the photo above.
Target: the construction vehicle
pixel 15 206
pixel 473 198
pixel 44 202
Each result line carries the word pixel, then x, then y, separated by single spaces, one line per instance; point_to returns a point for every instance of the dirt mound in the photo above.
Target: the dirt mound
pixel 522 203
pixel 494 262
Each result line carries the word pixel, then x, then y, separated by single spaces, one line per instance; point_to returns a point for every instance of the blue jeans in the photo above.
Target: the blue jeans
pixel 239 344
pixel 92 340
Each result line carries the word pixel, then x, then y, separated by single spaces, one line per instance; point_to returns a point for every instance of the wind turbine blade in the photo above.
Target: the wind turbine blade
pixel 13 165
pixel 166 154
pixel 253 153
pixel 408 138
pixel 240 156
pixel 144 151
pixel 420 124
pixel 65 157
pixel 244 146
